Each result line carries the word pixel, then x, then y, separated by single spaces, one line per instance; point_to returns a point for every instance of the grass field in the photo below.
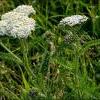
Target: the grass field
pixel 53 63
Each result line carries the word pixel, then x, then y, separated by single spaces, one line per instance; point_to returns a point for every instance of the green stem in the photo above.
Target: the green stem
pixel 46 12
pixel 88 45
pixel 12 54
pixel 24 47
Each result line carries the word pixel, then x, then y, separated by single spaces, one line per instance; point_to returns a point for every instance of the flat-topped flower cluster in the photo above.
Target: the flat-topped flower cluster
pixel 73 20
pixel 17 23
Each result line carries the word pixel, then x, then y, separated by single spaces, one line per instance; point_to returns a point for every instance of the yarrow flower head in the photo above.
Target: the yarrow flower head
pixel 17 24
pixel 26 9
pixel 21 28
pixel 3 25
pixel 73 20
pixel 12 16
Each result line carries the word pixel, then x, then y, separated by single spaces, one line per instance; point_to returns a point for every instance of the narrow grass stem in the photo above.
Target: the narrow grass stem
pixel 24 47
pixel 46 13
pixel 12 54
pixel 88 45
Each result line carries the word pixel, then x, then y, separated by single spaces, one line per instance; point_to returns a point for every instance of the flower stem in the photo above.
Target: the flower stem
pixel 24 47
pixel 12 54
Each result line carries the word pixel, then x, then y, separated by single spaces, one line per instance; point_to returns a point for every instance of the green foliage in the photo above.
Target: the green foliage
pixel 54 63
pixel 97 25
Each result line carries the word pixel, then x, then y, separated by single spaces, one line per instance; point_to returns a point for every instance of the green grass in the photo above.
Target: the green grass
pixel 51 64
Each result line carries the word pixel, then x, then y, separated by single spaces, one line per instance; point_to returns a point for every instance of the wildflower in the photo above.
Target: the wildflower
pixel 20 28
pixel 18 24
pixel 12 16
pixel 73 20
pixel 3 25
pixel 26 9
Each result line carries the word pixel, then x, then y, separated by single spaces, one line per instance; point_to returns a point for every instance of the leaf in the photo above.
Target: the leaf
pixel 8 57
pixel 96 25
pixel 11 54
pixel 27 87
pixel 88 45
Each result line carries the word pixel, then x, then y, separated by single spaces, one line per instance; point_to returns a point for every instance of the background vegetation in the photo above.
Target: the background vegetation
pixel 54 63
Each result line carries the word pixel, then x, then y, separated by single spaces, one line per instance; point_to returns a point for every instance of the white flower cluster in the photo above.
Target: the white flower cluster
pixel 3 25
pixel 73 20
pixel 12 16
pixel 26 9
pixel 21 28
pixel 17 24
